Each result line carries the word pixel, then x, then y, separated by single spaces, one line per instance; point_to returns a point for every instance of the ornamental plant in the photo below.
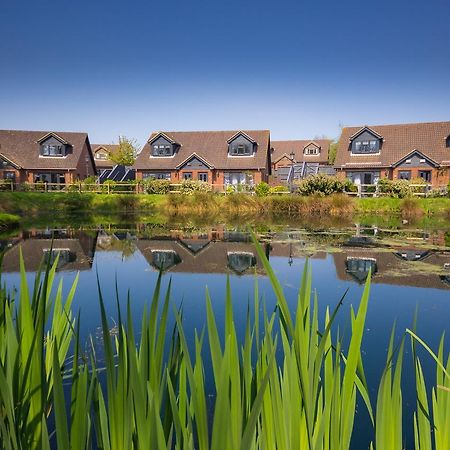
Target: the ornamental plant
pixel 323 185
pixel 188 187
pixel 262 189
pixel 154 186
pixel 395 188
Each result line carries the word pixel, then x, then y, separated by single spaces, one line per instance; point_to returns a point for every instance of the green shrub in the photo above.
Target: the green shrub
pixel 188 187
pixel 153 186
pixel 276 189
pixel 262 189
pixel 5 185
pixel 323 185
pixel 90 180
pixel 395 188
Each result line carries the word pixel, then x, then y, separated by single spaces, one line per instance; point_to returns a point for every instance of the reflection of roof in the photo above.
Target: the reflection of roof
pixel 359 267
pixel 195 245
pixel 164 259
pixel 390 269
pixel 212 259
pixel 75 254
pixel 412 254
pixel 240 262
pixel 219 256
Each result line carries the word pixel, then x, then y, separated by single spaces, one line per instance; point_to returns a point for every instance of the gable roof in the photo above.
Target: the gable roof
pixel 368 129
pixel 241 133
pixel 194 155
pixel 155 136
pixel 211 146
pixel 284 148
pixel 56 136
pixel 399 141
pixel 420 154
pixel 22 148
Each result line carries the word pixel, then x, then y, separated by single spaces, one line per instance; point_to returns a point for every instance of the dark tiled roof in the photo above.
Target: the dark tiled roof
pixel 22 148
pixel 398 141
pixel 212 146
pixel 281 148
pixel 33 251
pixel 111 148
pixel 394 270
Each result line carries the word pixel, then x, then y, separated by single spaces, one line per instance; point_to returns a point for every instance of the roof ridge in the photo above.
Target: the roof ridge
pixel 208 131
pixel 44 131
pixel 397 124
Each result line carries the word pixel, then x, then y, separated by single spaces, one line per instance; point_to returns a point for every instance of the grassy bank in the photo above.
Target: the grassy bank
pixel 338 205
pixel 8 221
pixel 291 381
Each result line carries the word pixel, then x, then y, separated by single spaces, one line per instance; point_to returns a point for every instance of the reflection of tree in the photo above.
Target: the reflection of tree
pixel 124 244
pixel 128 247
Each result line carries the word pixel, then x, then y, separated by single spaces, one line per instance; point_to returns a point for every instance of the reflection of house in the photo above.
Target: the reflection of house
pixel 164 259
pixel 418 150
pixel 359 267
pixel 240 262
pixel 216 157
pixel 41 156
pixel 76 252
pixel 216 257
pixel 400 267
pixel 206 256
pixel 411 254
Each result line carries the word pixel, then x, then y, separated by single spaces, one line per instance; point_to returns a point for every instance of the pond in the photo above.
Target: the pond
pixel 410 266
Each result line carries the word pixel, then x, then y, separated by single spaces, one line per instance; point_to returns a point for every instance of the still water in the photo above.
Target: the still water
pixel 411 271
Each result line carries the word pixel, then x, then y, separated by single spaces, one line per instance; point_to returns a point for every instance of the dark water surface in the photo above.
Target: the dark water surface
pixel 411 270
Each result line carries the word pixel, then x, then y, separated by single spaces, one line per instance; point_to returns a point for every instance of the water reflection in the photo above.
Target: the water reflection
pixel 415 258
pixel 76 249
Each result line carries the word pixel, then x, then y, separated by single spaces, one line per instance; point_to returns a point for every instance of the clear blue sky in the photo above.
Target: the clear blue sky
pixel 299 68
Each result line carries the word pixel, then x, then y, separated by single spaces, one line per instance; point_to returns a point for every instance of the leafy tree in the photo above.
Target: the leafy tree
pixel 332 152
pixel 126 154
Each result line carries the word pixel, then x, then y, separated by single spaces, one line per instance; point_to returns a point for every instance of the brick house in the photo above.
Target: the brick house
pixel 101 154
pixel 285 153
pixel 42 156
pixel 217 157
pixel 419 150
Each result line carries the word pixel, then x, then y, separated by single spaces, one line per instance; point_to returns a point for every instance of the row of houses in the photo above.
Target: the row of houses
pixel 364 154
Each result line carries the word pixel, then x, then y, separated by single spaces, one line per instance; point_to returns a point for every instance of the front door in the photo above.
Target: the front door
pixel 425 175
pixel 368 178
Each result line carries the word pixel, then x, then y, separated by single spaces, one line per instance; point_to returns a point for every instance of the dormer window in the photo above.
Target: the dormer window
pixel 241 144
pixel 241 149
pixel 53 150
pixel 365 146
pixel 101 155
pixel 312 149
pixel 162 150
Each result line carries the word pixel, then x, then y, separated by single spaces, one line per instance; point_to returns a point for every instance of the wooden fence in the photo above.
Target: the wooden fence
pixel 363 190
pixel 106 188
pixel 419 190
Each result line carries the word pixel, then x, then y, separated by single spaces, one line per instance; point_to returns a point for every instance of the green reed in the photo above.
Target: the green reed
pixel 290 383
